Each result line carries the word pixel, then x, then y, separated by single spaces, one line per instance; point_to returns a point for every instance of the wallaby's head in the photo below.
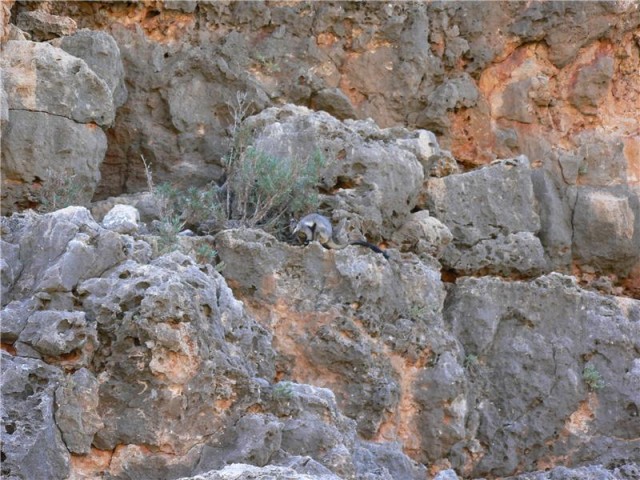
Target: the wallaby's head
pixel 302 232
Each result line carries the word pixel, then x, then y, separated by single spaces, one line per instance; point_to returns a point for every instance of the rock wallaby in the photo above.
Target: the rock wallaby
pixel 316 227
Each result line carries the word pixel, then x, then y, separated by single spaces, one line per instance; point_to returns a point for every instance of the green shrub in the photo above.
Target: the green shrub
pixel 263 188
pixel 58 191
pixel 592 378
pixel 283 390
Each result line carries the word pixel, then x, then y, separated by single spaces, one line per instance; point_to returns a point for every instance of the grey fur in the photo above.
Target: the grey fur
pixel 316 227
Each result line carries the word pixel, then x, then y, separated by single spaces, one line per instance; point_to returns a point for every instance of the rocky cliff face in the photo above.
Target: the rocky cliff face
pixel 492 148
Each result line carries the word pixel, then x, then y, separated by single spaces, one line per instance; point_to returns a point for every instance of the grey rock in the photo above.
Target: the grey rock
pixel 77 410
pixel 448 474
pixel 376 306
pixel 624 472
pixel 101 52
pixel 41 78
pixel 591 85
pixel 60 249
pixel 314 426
pixel 386 461
pixel 606 227
pixel 4 108
pixel 519 334
pixel 515 253
pixel 122 219
pixel 10 267
pixel 566 27
pixel 31 443
pixel 491 214
pixel 186 6
pixel 423 233
pixel 56 333
pixel 602 159
pixel 520 97
pixel 250 472
pixel 48 152
pixel 334 102
pixel 457 92
pixel 253 439
pixel 556 232
pixel 44 26
pixel 212 354
pixel 14 318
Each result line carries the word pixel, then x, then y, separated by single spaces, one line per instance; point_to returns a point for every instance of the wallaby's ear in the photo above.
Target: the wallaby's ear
pixel 293 223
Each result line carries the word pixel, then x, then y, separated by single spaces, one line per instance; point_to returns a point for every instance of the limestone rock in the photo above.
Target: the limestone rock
pixel 622 472
pixel 79 248
pixel 37 168
pixel 51 147
pixel 55 333
pixel 606 223
pixel 334 102
pixel 122 219
pixel 77 410
pixel 592 84
pixel 245 472
pixel 491 214
pixel 423 233
pixel 44 26
pixel 40 78
pixel 101 53
pixel 516 335
pixel 31 443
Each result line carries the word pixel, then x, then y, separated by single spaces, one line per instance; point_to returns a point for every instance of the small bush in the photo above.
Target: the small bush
pixel 283 390
pixel 192 206
pixel 592 378
pixel 58 191
pixel 261 190
pixel 263 187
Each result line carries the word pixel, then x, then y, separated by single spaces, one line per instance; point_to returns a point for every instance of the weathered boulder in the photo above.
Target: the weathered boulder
pixel 41 78
pixel 44 26
pixel 422 233
pixel 492 216
pixel 606 228
pixel 51 146
pixel 122 219
pixel 101 53
pixel 31 443
pixel 368 328
pixel 49 160
pixel 527 346
pixel 61 249
pixel 87 300
pixel 77 410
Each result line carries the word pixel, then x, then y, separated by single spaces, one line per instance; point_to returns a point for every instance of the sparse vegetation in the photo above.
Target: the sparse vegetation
pixel 58 191
pixel 470 361
pixel 417 312
pixel 592 378
pixel 283 390
pixel 261 187
pixel 261 190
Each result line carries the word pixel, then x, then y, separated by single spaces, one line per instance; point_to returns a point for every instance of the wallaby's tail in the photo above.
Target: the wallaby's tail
pixel 373 247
